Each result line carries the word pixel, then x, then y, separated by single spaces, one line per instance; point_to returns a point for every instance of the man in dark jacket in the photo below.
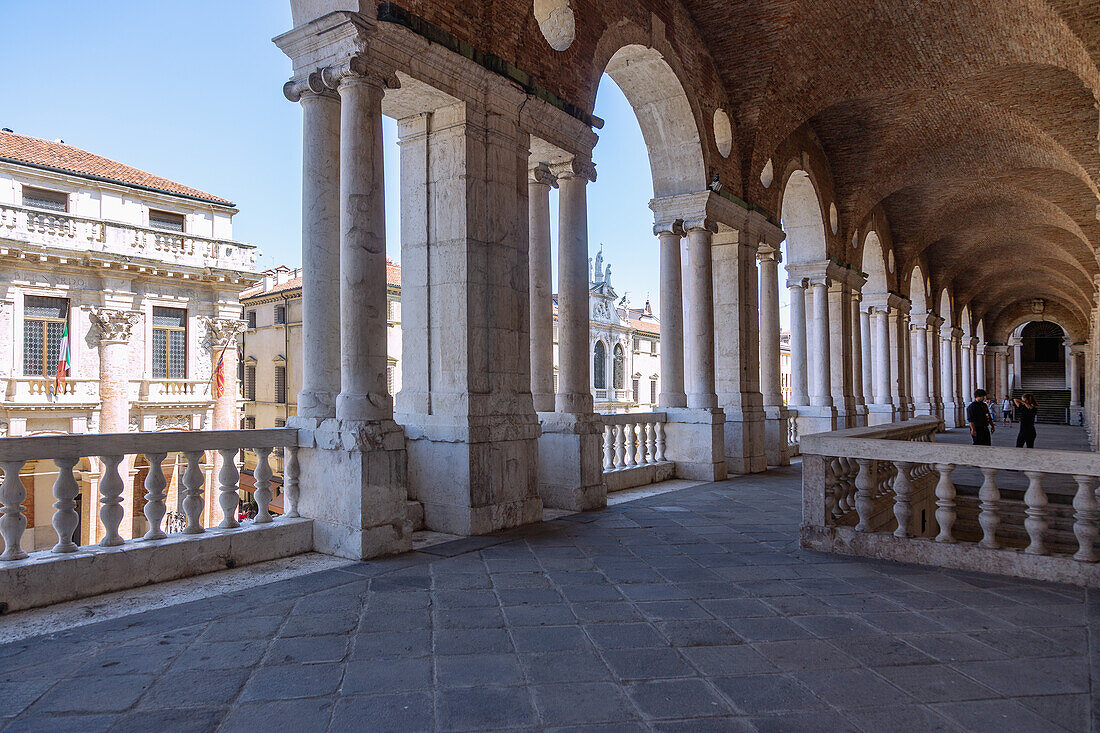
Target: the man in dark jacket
pixel 977 414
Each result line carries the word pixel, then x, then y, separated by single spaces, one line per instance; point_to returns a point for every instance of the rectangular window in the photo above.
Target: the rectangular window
pixel 280 314
pixel 169 343
pixel 41 198
pixel 166 221
pixel 280 384
pixel 653 391
pixel 44 322
pixel 251 315
pixel 250 383
pixel 250 423
pixel 636 385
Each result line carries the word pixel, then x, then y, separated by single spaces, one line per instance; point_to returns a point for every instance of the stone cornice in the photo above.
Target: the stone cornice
pixel 703 210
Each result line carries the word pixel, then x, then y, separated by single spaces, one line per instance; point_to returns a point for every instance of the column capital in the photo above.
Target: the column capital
pixel 357 70
pixel 796 282
pixel 767 253
pixel 222 330
pixel 575 167
pixel 310 85
pixel 115 326
pixel 1014 341
pixel 701 223
pixel 541 175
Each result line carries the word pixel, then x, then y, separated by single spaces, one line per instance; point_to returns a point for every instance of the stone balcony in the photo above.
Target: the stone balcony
pixel 84 236
pixel 692 610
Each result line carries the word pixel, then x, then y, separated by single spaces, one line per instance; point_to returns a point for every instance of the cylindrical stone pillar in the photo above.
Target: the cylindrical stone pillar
pixel 799 382
pixel 700 317
pixel 979 367
pixel 1017 346
pixel 880 345
pixel 867 358
pixel 672 320
pixel 1074 381
pixel 769 328
pixel 858 365
pixel 947 376
pixel 574 395
pixel 363 388
pixel 320 255
pixel 820 394
pixel 540 289
pixel 967 374
pixel 1068 355
pixel 919 343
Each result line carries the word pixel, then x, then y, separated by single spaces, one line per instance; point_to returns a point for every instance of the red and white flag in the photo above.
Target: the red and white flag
pixel 62 361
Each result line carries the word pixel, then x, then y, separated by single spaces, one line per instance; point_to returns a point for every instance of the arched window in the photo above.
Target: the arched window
pixel 619 365
pixel 599 372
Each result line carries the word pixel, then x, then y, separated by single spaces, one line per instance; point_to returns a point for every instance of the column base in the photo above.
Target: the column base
pixel 744 439
pixel 952 415
pixel 694 442
pixel 882 414
pixel 776 450
pixel 924 409
pixel 859 415
pixel 476 475
pixel 816 419
pixel 570 470
pixel 353 478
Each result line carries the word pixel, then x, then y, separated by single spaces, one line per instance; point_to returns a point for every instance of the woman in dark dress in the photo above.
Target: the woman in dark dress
pixel 1024 412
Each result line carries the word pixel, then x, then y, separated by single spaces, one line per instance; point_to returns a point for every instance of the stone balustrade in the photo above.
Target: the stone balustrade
pixel 634 450
pixel 892 492
pixel 85 235
pixel 792 432
pixel 32 390
pixel 71 571
pixel 174 390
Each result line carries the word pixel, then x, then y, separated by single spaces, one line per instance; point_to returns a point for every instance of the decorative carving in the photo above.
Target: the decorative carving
pixel 577 167
pixel 1038 305
pixel 173 422
pixel 114 325
pixel 355 69
pixel 541 174
pixel 223 330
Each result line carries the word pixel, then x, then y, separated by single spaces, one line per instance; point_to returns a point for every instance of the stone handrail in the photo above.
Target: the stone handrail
pixel 73 389
pixel 84 234
pixel 152 389
pixel 864 490
pixel 633 439
pixel 110 449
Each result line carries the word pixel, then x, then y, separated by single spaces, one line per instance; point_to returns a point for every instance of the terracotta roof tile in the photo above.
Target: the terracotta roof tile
pixel 48 154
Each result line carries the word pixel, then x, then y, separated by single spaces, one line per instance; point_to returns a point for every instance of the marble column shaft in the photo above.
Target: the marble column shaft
pixel 320 255
pixel 574 373
pixel 820 387
pixel 919 340
pixel 880 346
pixel 840 346
pixel 363 360
pixel 769 328
pixel 867 358
pixel 858 365
pixel 799 380
pixel 700 318
pixel 967 374
pixel 540 289
pixel 672 320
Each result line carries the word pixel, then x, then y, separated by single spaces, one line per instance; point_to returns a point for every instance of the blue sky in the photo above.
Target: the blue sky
pixel 193 92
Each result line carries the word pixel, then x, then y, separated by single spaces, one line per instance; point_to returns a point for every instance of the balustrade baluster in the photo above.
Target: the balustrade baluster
pixel 1086 512
pixel 903 493
pixel 65 519
pixel 945 502
pixel 290 481
pixel 110 496
pixel 262 494
pixel 193 502
pixel 865 487
pixel 620 448
pixel 228 499
pixel 660 454
pixel 154 496
pixel 628 445
pixel 609 448
pixel 651 442
pixel 1036 520
pixel 639 441
pixel 989 518
pixel 12 523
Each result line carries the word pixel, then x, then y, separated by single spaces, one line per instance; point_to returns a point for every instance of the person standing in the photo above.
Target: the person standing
pixel 1025 410
pixel 981 424
pixel 1006 410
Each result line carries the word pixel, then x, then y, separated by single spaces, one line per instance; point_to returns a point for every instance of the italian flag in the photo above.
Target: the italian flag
pixel 62 360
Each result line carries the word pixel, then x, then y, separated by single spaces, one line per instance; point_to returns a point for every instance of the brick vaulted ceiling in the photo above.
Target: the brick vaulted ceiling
pixel 973 124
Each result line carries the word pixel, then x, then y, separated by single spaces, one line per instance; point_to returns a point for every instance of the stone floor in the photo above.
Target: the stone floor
pixel 686 611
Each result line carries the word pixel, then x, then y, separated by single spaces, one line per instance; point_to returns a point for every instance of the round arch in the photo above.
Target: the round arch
pixel 802 219
pixel 918 291
pixel 945 308
pixel 874 264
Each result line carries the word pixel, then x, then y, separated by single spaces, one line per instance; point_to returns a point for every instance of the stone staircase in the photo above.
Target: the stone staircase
pixel 1053 404
pixel 1044 375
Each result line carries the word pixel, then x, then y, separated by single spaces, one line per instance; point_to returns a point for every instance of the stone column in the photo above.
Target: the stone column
pixel 700 315
pixel 320 246
pixel 775 413
pixel 1068 354
pixel 352 467
pixel 570 462
pixel 840 346
pixel 906 361
pixel 858 365
pixel 966 346
pixel 979 366
pixel 1004 386
pixel 866 356
pixel 1074 381
pixel 895 336
pixel 800 396
pixel 882 410
pixel 947 378
pixel 820 387
pixel 672 317
pixel 223 333
pixel 114 330
pixel 540 288
pixel 918 338
pixel 1016 344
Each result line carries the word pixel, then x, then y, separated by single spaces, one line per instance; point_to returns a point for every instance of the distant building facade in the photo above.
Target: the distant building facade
pixel 126 281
